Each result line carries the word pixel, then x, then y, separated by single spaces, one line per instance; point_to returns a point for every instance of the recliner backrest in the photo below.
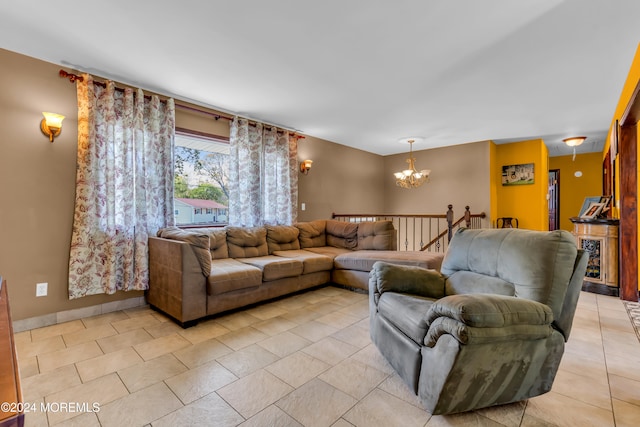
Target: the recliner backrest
pixel 538 264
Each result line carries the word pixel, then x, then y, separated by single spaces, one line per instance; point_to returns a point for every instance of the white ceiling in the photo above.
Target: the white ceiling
pixel 362 73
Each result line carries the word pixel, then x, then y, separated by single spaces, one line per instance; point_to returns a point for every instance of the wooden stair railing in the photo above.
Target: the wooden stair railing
pixel 411 227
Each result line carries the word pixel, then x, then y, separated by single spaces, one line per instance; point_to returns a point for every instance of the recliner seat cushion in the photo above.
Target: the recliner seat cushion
pixel 406 312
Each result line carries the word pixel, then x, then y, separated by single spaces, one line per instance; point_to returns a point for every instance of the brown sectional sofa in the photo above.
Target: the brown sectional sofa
pixel 195 273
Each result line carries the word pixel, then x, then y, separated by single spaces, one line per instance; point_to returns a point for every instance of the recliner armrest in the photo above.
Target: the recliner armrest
pixel 490 311
pixel 386 277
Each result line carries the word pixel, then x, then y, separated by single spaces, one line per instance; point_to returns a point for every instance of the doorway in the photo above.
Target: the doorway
pixel 554 199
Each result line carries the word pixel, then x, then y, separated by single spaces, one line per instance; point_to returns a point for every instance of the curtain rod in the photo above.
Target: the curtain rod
pixel 217 116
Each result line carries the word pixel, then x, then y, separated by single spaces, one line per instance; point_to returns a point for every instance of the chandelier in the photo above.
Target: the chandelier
pixel 411 178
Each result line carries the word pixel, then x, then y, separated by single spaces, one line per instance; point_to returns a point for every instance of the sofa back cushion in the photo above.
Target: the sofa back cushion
pixel 312 234
pixel 342 234
pixel 282 238
pixel 198 241
pixel 377 235
pixel 538 264
pixel 217 241
pixel 247 242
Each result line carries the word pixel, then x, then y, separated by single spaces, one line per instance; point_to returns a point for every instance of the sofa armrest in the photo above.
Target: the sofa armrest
pixel 176 283
pixel 491 311
pixel 386 277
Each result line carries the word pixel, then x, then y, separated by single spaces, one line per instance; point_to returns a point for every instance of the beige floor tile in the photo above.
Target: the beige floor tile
pixel 253 393
pixel 241 338
pixel 297 368
pixel 314 331
pixel 28 366
pixel 292 303
pixel 271 416
pixel 46 345
pixel 67 356
pixel 203 412
pixel 143 375
pixel 138 322
pixel 342 423
pixel 111 362
pixel 53 330
pixel 21 338
pixel 625 389
pixel 104 319
pixel 90 396
pixel 464 419
pixel 330 350
pixel 353 335
pixel 87 419
pixel 382 409
pixel 163 329
pixel 623 366
pixel 585 389
pixel 315 297
pixel 338 320
pixel 266 311
pixel 237 320
pixel 396 387
pixel 44 384
pixel 124 340
pixel 198 382
pixel 529 421
pixel 203 331
pixel 359 309
pixel 201 353
pixel 316 404
pixel 552 407
pixel 626 414
pixel 274 325
pixel 353 377
pixel 157 347
pixel 509 415
pixel 372 357
pixel 349 299
pixel 247 360
pixel 139 408
pixel 284 344
pixel 325 307
pixel 140 311
pixel 88 334
pixel 302 315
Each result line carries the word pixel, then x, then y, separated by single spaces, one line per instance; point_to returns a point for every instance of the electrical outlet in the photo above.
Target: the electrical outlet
pixel 41 289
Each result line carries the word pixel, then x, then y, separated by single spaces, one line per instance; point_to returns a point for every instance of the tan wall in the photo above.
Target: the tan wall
pixel 37 182
pixel 459 176
pixel 341 180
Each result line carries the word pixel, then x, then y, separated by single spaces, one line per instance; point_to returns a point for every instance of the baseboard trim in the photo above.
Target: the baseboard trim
pixel 77 313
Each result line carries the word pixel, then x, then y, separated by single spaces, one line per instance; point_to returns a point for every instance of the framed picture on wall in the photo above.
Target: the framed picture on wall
pixel 517 174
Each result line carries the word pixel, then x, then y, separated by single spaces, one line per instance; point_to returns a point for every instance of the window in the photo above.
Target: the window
pixel 201 179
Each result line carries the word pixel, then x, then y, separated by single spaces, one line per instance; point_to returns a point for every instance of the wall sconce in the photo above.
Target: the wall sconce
pixel 51 125
pixel 305 166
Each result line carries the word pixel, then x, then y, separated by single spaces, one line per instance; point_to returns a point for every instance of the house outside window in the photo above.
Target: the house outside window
pixel 201 179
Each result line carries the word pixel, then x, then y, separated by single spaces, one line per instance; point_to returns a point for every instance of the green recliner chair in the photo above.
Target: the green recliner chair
pixel 490 328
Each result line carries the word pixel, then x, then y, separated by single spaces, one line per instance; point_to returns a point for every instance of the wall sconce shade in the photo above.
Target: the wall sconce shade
pixel 51 125
pixel 305 166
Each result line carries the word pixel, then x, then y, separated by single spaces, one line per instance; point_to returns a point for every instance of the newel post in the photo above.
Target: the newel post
pixel 467 216
pixel 450 221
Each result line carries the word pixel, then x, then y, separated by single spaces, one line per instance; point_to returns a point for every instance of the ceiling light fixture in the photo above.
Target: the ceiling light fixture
pixel 411 178
pixel 573 142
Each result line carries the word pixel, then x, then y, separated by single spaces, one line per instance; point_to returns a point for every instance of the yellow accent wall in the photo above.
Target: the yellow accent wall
pixel 574 189
pixel 527 203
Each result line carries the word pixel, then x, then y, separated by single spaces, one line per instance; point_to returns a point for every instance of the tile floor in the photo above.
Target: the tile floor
pixel 303 360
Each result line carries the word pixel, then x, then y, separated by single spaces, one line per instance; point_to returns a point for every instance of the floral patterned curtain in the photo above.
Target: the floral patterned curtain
pixel 263 179
pixel 124 186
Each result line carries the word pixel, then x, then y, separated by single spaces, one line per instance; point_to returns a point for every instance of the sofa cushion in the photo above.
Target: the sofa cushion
pixel 228 275
pixel 378 235
pixel 274 267
pixel 312 234
pixel 342 234
pixel 198 241
pixel 245 242
pixel 282 238
pixel 311 261
pixel 364 260
pixel 330 251
pixel 217 241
